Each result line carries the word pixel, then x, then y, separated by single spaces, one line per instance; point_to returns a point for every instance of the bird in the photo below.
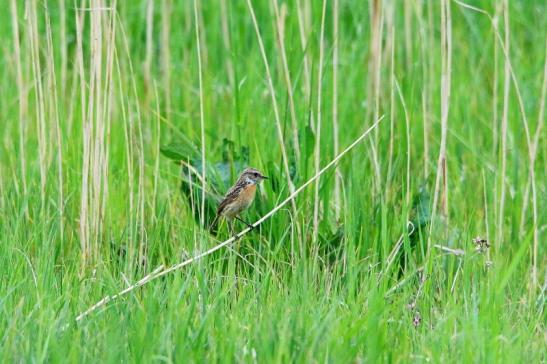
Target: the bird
pixel 238 198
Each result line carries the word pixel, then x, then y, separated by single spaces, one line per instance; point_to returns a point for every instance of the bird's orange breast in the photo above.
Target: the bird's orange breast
pixel 248 194
pixel 240 202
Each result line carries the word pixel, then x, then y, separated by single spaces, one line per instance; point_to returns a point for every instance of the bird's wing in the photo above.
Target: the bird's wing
pixel 231 195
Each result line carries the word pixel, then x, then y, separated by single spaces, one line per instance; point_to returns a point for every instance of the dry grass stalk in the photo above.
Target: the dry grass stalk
pixel 83 226
pixel 53 114
pixel 317 151
pixel 147 73
pixel 275 107
pixel 391 36
pixel 23 102
pixel 280 33
pixel 407 10
pixel 504 121
pixel 34 38
pixel 495 127
pixel 227 42
pixel 96 115
pixel 487 225
pixel 304 18
pixel 530 185
pixel 134 137
pixel 426 41
pixel 446 58
pixel 374 68
pixel 63 42
pixel 335 128
pixel 166 53
pixel 539 126
pixel 201 115
pixel 456 252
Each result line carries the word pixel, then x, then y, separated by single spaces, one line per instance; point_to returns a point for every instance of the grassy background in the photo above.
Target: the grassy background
pixel 92 90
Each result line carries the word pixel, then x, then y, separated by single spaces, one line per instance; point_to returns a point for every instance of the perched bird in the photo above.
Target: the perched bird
pixel 238 198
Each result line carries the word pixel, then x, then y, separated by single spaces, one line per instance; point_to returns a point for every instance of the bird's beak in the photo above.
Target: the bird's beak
pixel 264 177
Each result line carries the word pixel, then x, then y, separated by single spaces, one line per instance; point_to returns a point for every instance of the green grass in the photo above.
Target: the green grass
pixel 295 290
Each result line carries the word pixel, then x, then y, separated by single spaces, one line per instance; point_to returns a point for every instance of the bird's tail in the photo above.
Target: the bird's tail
pixel 213 228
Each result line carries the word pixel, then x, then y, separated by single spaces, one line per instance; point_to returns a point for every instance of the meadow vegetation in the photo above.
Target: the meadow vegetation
pixel 124 122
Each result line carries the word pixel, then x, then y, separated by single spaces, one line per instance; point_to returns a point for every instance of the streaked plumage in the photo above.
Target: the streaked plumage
pixel 239 197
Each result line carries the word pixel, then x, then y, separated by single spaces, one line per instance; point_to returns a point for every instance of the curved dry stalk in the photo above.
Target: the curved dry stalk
pixel 160 272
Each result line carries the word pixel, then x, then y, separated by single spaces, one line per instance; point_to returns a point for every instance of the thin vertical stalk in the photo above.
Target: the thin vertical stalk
pixel 23 102
pixel 83 224
pixel 202 37
pixel 149 50
pixel 446 68
pixel 110 37
pixel 54 115
pixel 227 43
pixel 317 152
pixel 335 128
pixel 407 129
pixel 32 23
pixel 391 36
pixel 137 133
pixel 128 138
pixel 495 127
pixel 279 27
pixel 504 122
pixel 303 29
pixel 487 225
pixel 274 104
pixel 63 42
pixel 95 113
pixel 166 53
pixel 201 116
pixel 156 154
pixel 408 32
pixel 426 79
pixel 374 67
pixel 541 120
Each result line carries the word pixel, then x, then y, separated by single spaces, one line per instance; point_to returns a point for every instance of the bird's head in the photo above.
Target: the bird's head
pixel 252 175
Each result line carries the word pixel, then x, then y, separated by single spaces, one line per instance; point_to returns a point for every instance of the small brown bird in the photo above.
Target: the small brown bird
pixel 238 198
